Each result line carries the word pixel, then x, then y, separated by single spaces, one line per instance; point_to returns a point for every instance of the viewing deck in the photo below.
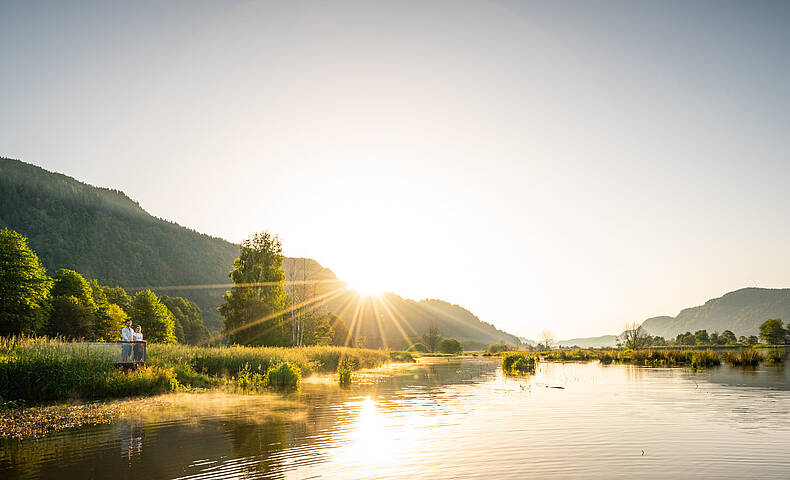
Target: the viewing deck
pixel 124 354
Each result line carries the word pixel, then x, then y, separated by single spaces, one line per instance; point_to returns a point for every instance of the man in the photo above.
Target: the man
pixel 127 335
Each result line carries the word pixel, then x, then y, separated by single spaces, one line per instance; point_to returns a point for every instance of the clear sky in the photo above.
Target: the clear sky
pixel 570 166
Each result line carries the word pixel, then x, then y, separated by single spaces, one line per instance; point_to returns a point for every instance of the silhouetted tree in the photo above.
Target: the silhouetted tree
pixel 773 332
pixel 450 345
pixel 432 337
pixel 635 337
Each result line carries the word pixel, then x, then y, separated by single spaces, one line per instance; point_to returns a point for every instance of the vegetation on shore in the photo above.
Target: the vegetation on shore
pixel 36 370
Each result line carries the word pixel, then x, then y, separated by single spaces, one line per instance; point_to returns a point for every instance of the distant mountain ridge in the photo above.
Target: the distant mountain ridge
pixel 104 234
pixel 741 311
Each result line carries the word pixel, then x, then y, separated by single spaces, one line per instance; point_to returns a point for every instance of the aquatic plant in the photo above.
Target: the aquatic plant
pixel 344 375
pixel 705 359
pixel 775 356
pixel 283 375
pixel 518 363
pixel 743 358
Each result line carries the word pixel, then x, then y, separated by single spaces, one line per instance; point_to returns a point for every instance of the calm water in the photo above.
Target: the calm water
pixel 447 419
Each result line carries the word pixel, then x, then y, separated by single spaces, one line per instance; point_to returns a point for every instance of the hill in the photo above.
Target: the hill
pixel 741 311
pixel 104 234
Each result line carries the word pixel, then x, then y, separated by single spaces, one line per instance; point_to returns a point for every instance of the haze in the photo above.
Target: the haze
pixel 570 166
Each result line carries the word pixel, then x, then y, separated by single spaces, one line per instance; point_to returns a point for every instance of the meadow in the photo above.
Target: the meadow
pixel 38 370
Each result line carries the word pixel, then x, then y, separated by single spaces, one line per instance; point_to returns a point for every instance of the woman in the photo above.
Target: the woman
pixel 139 348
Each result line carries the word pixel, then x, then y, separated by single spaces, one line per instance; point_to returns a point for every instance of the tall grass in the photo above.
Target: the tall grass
pixel 40 370
pixel 747 357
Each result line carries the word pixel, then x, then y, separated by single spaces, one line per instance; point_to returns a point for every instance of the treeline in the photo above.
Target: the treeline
pixel 70 306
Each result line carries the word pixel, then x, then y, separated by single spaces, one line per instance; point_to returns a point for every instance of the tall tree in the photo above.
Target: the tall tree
pixel 71 318
pixel 432 337
pixel 253 307
pixel 24 286
pixel 154 317
pixel 773 332
pixel 68 283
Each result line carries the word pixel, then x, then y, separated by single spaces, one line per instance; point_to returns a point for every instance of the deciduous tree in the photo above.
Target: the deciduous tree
pixel 24 287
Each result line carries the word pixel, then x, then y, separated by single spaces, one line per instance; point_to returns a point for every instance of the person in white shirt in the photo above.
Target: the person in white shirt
pixel 127 335
pixel 138 346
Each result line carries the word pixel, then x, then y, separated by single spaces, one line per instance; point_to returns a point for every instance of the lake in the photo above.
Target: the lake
pixel 446 418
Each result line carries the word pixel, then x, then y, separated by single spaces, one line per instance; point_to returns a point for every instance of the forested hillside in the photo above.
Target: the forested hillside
pixel 105 235
pixel 741 311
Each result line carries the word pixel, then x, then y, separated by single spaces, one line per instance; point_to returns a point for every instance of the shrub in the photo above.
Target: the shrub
pixel 418 347
pixel 403 357
pixel 497 347
pixel 284 375
pixel 451 346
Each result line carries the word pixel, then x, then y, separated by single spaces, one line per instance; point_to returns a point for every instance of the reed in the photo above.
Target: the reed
pixel 705 359
pixel 37 370
pixel 775 356
pixel 745 358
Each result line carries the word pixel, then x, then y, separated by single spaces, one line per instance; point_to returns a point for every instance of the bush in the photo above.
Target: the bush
pixel 518 364
pixel 451 346
pixel 495 348
pixel 418 347
pixel 284 375
pixel 402 357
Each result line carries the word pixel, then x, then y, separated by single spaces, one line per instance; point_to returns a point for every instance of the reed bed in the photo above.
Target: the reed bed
pixel 744 358
pixel 38 370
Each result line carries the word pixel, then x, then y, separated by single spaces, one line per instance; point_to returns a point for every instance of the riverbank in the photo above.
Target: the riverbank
pixel 40 370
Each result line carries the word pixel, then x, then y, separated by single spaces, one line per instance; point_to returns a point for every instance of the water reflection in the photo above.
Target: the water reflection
pixel 447 419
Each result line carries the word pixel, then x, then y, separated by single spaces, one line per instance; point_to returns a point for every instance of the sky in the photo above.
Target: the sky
pixel 570 166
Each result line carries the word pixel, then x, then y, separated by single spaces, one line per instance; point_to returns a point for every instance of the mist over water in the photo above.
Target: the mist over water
pixel 457 418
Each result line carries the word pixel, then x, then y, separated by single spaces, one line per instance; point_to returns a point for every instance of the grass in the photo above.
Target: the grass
pixel 402 357
pixel 40 370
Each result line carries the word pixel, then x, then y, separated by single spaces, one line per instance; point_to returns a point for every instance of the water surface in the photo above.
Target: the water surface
pixel 457 418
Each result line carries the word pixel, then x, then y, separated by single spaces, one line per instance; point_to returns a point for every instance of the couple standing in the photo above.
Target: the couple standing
pixel 128 337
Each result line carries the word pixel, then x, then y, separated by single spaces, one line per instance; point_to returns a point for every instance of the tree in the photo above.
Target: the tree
pixel 318 329
pixel 685 339
pixel 68 283
pixel 118 296
pixel 450 345
pixel 635 337
pixel 24 287
pixel 189 326
pixel 773 332
pixel 548 338
pixel 715 339
pixel 71 318
pixel 110 319
pixel 154 317
pixel 727 337
pixel 752 340
pixel 701 337
pixel 341 336
pixel 432 337
pixel 254 307
pixel 418 347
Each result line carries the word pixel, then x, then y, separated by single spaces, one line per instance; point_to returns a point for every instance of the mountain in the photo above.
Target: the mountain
pixel 590 342
pixel 104 234
pixel 741 311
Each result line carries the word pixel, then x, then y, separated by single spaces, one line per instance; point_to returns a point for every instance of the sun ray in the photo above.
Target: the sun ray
pixel 394 320
pixel 318 298
pixel 378 322
pixel 393 311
